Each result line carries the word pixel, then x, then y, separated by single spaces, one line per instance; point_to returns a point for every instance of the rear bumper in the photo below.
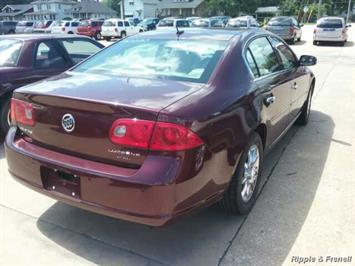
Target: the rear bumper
pixel 327 39
pixel 149 195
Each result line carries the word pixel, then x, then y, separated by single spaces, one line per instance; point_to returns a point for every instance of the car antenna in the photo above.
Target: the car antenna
pixel 179 32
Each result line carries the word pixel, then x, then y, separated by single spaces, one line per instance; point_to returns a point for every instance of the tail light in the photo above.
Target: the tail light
pixel 22 112
pixel 63 29
pixel 292 30
pixel 158 136
pixel 315 31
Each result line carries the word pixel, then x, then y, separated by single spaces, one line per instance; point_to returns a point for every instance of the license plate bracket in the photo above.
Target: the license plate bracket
pixel 61 182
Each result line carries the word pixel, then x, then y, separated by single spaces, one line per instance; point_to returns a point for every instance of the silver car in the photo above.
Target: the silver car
pixel 287 28
pixel 25 27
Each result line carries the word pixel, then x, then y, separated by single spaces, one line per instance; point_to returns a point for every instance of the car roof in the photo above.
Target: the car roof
pixel 26 37
pixel 197 33
pixel 331 17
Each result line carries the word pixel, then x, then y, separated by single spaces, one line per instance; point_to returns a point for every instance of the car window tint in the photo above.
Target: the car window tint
pixel 94 23
pixel 9 52
pixel 126 23
pixel 48 56
pixel 119 24
pixel 75 24
pixel 78 50
pixel 288 59
pixel 184 60
pixel 251 63
pixel 264 56
pixel 182 23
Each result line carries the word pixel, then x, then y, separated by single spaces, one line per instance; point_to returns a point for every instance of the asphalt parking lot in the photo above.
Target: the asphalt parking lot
pixel 305 207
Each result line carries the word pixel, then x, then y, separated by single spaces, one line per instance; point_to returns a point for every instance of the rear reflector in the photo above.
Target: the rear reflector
pixel 22 112
pixel 158 136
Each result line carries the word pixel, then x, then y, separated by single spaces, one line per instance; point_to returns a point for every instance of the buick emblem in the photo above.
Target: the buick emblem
pixel 68 122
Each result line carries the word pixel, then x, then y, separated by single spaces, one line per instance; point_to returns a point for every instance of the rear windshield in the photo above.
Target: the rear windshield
pixel 9 52
pixel 331 23
pixel 280 22
pixel 109 23
pixel 184 60
pixel 84 23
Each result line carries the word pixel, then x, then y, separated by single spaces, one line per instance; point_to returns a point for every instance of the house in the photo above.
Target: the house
pixel 181 8
pixel 15 12
pixel 57 10
pixel 141 8
pixel 50 9
pixel 91 9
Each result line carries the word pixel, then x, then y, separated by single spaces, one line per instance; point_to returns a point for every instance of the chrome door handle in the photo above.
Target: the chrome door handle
pixel 269 100
pixel 294 86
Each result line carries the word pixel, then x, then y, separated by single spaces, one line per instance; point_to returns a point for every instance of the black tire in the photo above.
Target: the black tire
pixel 232 200
pixel 97 36
pixel 315 43
pixel 70 32
pixel 108 39
pixel 303 119
pixel 11 32
pixel 4 116
pixel 123 34
pixel 299 39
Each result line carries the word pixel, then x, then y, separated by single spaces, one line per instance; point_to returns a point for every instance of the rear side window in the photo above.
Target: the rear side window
pixel 126 23
pixel 48 56
pixel 288 59
pixel 9 52
pixel 78 50
pixel 75 24
pixel 264 56
pixel 252 64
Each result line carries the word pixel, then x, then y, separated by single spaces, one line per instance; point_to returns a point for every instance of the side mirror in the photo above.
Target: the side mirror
pixel 348 26
pixel 308 60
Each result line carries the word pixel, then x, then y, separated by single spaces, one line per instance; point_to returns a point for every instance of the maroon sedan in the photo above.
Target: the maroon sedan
pixel 28 58
pixel 160 124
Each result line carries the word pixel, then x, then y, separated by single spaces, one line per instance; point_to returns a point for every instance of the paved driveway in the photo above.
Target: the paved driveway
pixel 305 207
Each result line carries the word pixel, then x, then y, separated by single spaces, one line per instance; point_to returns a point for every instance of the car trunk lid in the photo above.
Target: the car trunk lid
pixel 95 102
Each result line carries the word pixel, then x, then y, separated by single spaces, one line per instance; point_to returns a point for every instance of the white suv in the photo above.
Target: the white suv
pixel 66 27
pixel 331 29
pixel 173 23
pixel 117 28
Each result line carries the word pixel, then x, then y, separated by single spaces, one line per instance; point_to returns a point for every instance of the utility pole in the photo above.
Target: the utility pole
pixel 319 9
pixel 122 9
pixel 348 15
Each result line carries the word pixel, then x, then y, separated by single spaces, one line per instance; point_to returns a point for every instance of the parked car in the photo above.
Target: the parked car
pixel 66 27
pixel 331 29
pixel 91 28
pixel 154 126
pixel 24 27
pixel 224 19
pixel 117 28
pixel 207 23
pixel 173 23
pixel 287 28
pixel 134 21
pixel 28 58
pixel 7 27
pixel 43 26
pixel 148 24
pixel 243 22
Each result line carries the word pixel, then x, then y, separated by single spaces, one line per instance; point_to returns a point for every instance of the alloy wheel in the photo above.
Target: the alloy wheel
pixel 251 173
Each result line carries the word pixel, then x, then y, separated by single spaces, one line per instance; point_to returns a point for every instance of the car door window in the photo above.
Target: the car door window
pixel 252 64
pixel 264 56
pixel 126 23
pixel 75 24
pixel 119 24
pixel 78 50
pixel 48 56
pixel 289 61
